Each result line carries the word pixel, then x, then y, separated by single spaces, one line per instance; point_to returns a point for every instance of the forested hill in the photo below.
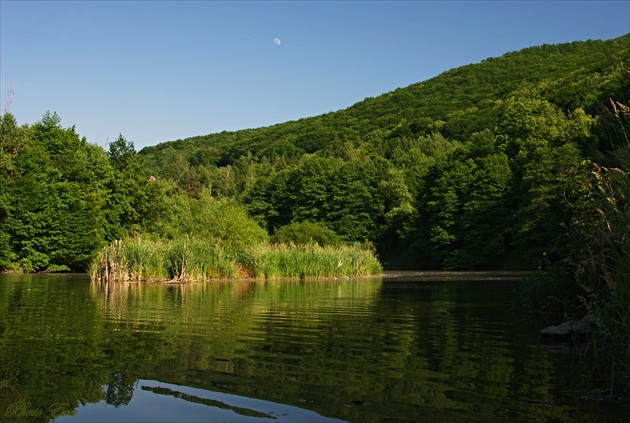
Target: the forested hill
pixel 456 104
pixel 484 166
pixel 491 165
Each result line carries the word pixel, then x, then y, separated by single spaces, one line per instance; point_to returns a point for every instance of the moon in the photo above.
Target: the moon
pixel 277 41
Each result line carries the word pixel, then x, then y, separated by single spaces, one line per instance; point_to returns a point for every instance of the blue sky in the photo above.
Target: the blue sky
pixel 160 71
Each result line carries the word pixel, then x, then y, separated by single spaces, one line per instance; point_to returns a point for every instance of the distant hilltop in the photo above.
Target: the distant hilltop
pixel 570 75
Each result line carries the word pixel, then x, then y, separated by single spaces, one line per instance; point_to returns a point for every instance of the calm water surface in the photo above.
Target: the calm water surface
pixel 407 347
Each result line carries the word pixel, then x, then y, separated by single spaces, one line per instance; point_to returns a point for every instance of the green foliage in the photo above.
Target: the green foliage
pixel 53 197
pixel 467 170
pixel 481 167
pixel 306 233
pixel 309 261
pixel 210 218
pixel 62 198
pixel 12 140
pixel 456 103
pixel 135 202
pixel 146 259
pixel 121 152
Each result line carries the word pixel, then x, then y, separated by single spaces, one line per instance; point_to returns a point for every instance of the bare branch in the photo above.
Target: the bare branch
pixel 7 106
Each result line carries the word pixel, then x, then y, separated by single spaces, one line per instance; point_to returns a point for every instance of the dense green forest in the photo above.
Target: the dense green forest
pixel 474 169
pixel 495 165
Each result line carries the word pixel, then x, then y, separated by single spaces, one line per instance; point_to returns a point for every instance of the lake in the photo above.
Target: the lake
pixel 404 347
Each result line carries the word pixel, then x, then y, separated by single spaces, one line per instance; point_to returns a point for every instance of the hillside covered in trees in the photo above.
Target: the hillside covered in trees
pixel 487 166
pixel 482 167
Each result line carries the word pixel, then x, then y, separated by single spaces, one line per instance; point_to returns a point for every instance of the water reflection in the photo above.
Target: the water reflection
pixel 401 349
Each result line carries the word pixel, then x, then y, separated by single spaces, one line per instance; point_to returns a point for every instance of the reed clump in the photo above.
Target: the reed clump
pixel 196 259
pixel 603 265
pixel 309 261
pixel 605 275
pixel 150 259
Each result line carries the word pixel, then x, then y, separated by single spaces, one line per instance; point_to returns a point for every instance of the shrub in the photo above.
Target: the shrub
pixel 306 233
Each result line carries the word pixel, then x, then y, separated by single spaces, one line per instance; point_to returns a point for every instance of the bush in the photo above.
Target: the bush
pixel 209 217
pixel 306 233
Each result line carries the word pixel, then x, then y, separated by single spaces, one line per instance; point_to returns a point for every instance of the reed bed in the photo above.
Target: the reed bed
pixel 194 259
pixel 142 259
pixel 308 261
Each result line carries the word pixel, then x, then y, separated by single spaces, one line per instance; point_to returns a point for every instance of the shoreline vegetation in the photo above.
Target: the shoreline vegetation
pixel 192 259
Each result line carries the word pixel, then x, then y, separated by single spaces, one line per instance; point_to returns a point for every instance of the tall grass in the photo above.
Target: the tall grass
pixel 604 267
pixel 196 259
pixel 308 261
pixel 605 277
pixel 150 259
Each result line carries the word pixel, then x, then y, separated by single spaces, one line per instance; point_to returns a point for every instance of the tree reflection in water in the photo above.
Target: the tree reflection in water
pixel 423 347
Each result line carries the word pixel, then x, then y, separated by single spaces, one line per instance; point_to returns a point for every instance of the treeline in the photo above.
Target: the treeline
pixel 66 204
pixel 62 198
